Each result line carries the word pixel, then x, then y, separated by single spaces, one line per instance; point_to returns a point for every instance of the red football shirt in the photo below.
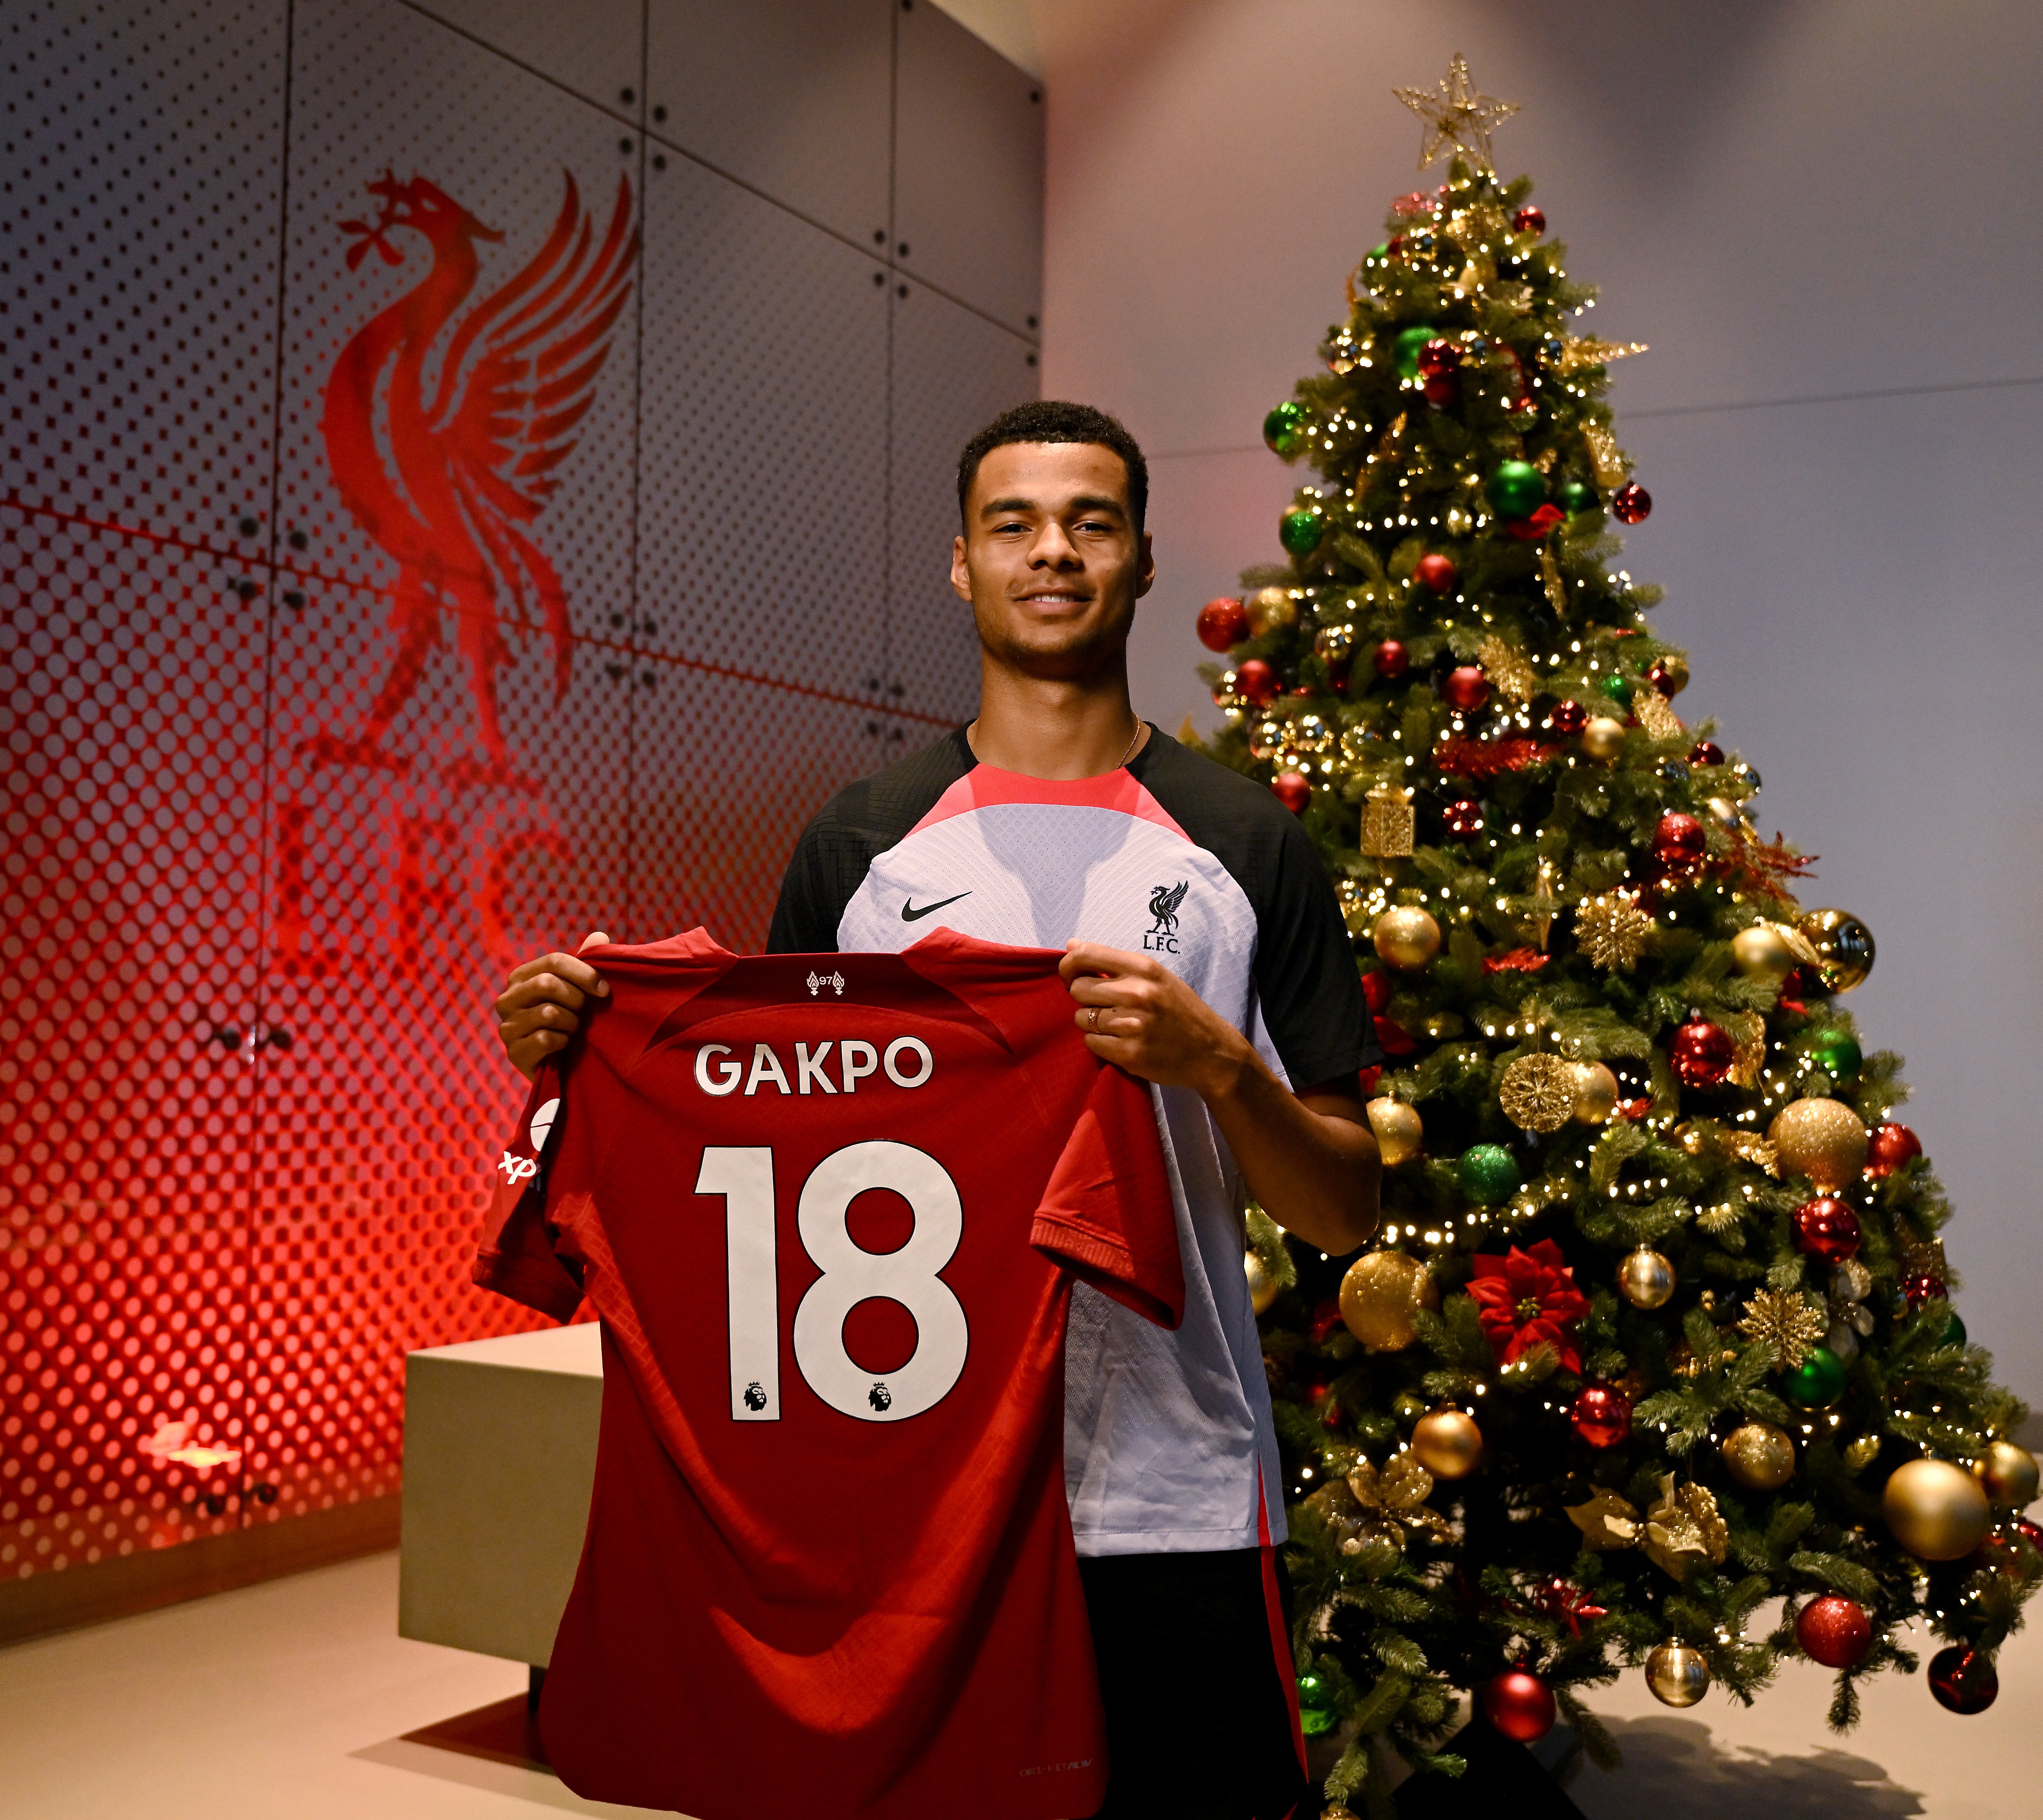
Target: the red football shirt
pixel 829 1208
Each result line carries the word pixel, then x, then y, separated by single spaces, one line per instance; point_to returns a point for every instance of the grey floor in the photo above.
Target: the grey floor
pixel 292 1698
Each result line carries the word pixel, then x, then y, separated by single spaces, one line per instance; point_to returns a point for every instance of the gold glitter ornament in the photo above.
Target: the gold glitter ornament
pixel 1937 1511
pixel 1447 1443
pixel 1613 931
pixel 1606 1520
pixel 1824 1140
pixel 1759 1456
pixel 1579 351
pixel 1677 1674
pixel 1596 1093
pixel 1603 739
pixel 1379 1293
pixel 1455 114
pixel 1604 458
pixel 1545 901
pixel 1406 938
pixel 1747 1031
pixel 1787 1323
pixel 1388 824
pixel 1505 666
pixel 1263 1289
pixel 1684 1530
pixel 1645 1278
pixel 1270 609
pixel 1538 1093
pixel 1557 589
pixel 1400 1135
pixel 2008 1475
pixel 1653 712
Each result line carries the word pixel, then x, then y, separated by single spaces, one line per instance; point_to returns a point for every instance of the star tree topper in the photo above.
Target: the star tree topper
pixel 1456 115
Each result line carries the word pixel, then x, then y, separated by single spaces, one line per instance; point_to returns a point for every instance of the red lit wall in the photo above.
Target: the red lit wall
pixel 400 571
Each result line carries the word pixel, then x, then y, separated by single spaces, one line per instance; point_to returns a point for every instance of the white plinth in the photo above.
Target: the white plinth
pixel 500 1454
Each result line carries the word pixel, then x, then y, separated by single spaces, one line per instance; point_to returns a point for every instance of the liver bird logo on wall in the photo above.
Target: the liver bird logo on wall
pixel 449 477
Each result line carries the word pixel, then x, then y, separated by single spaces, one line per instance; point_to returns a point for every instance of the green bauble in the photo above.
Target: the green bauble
pixel 1618 688
pixel 1315 1721
pixel 1517 488
pixel 1954 1333
pixel 1316 1707
pixel 1282 429
pixel 1408 342
pixel 1573 496
pixel 1300 530
pixel 1487 1173
pixel 1313 1691
pixel 1838 1054
pixel 1818 1381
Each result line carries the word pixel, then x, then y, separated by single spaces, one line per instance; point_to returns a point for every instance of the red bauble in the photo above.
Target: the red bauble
pixel 1569 717
pixel 1702 1053
pixel 1376 989
pixel 1391 659
pixel 1463 816
pixel 1366 1081
pixel 1963 1679
pixel 1706 751
pixel 1827 1228
pixel 1528 221
pixel 1631 503
pixel 1678 843
pixel 1293 789
pixel 1833 1630
pixel 1668 679
pixel 1889 1146
pixel 1520 1705
pixel 1222 624
pixel 1256 680
pixel 1436 573
pixel 1443 391
pixel 1601 1416
pixel 1438 357
pixel 1466 687
pixel 1921 1286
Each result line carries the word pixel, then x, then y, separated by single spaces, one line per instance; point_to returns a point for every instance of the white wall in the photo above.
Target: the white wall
pixel 1834 201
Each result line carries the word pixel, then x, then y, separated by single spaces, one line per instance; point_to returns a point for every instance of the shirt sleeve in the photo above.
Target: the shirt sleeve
pixel 516 1256
pixel 807 913
pixel 1306 985
pixel 1107 1214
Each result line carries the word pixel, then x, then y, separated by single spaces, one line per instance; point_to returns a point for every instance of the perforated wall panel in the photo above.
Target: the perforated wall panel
pixel 401 573
pixel 953 372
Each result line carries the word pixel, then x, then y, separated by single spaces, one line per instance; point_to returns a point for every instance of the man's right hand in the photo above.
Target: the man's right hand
pixel 537 1010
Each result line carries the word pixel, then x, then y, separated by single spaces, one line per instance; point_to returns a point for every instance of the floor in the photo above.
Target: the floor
pixel 298 1693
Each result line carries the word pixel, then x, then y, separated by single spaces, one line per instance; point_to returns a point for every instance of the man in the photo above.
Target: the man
pixel 1206 954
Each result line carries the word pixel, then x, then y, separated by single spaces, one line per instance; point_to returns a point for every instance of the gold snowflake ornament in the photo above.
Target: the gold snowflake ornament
pixel 1538 1093
pixel 1505 665
pixel 1455 115
pixel 1787 1323
pixel 1613 931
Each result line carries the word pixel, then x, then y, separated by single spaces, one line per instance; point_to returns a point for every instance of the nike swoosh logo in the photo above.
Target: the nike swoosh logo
pixel 909 913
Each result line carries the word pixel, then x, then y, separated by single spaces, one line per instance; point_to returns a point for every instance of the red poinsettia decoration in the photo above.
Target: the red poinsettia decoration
pixel 1528 1298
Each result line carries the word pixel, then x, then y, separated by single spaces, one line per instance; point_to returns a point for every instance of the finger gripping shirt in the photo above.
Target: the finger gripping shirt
pixel 829 1209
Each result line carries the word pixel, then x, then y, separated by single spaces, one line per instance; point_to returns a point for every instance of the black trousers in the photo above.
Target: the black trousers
pixel 1196 1685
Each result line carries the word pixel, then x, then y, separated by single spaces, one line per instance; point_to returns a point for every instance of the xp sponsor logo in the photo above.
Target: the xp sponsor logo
pixel 1164 903
pixel 517 1169
pixel 907 1061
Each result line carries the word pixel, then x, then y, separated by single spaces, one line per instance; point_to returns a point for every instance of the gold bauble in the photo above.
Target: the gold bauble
pixel 1377 1295
pixel 1843 946
pixel 1263 1289
pixel 1603 739
pixel 1824 1140
pixel 1538 1093
pixel 1406 938
pixel 1448 1443
pixel 1270 607
pixel 1596 1092
pixel 1937 1511
pixel 1645 1279
pixel 1761 949
pixel 1759 1456
pixel 1335 644
pixel 1671 673
pixel 1677 1674
pixel 1399 1133
pixel 2008 1473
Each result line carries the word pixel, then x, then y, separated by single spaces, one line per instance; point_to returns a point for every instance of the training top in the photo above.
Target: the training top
pixel 1168 1441
pixel 830 1209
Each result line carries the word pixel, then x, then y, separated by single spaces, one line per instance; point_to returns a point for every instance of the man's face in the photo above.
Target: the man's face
pixel 1050 560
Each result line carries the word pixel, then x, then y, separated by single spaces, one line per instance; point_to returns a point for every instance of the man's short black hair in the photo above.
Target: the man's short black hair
pixel 1052 421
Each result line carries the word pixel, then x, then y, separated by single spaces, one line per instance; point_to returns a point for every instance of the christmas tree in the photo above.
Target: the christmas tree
pixel 1659 1330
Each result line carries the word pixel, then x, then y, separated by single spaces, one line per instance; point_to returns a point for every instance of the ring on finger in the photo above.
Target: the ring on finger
pixel 1092 1018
